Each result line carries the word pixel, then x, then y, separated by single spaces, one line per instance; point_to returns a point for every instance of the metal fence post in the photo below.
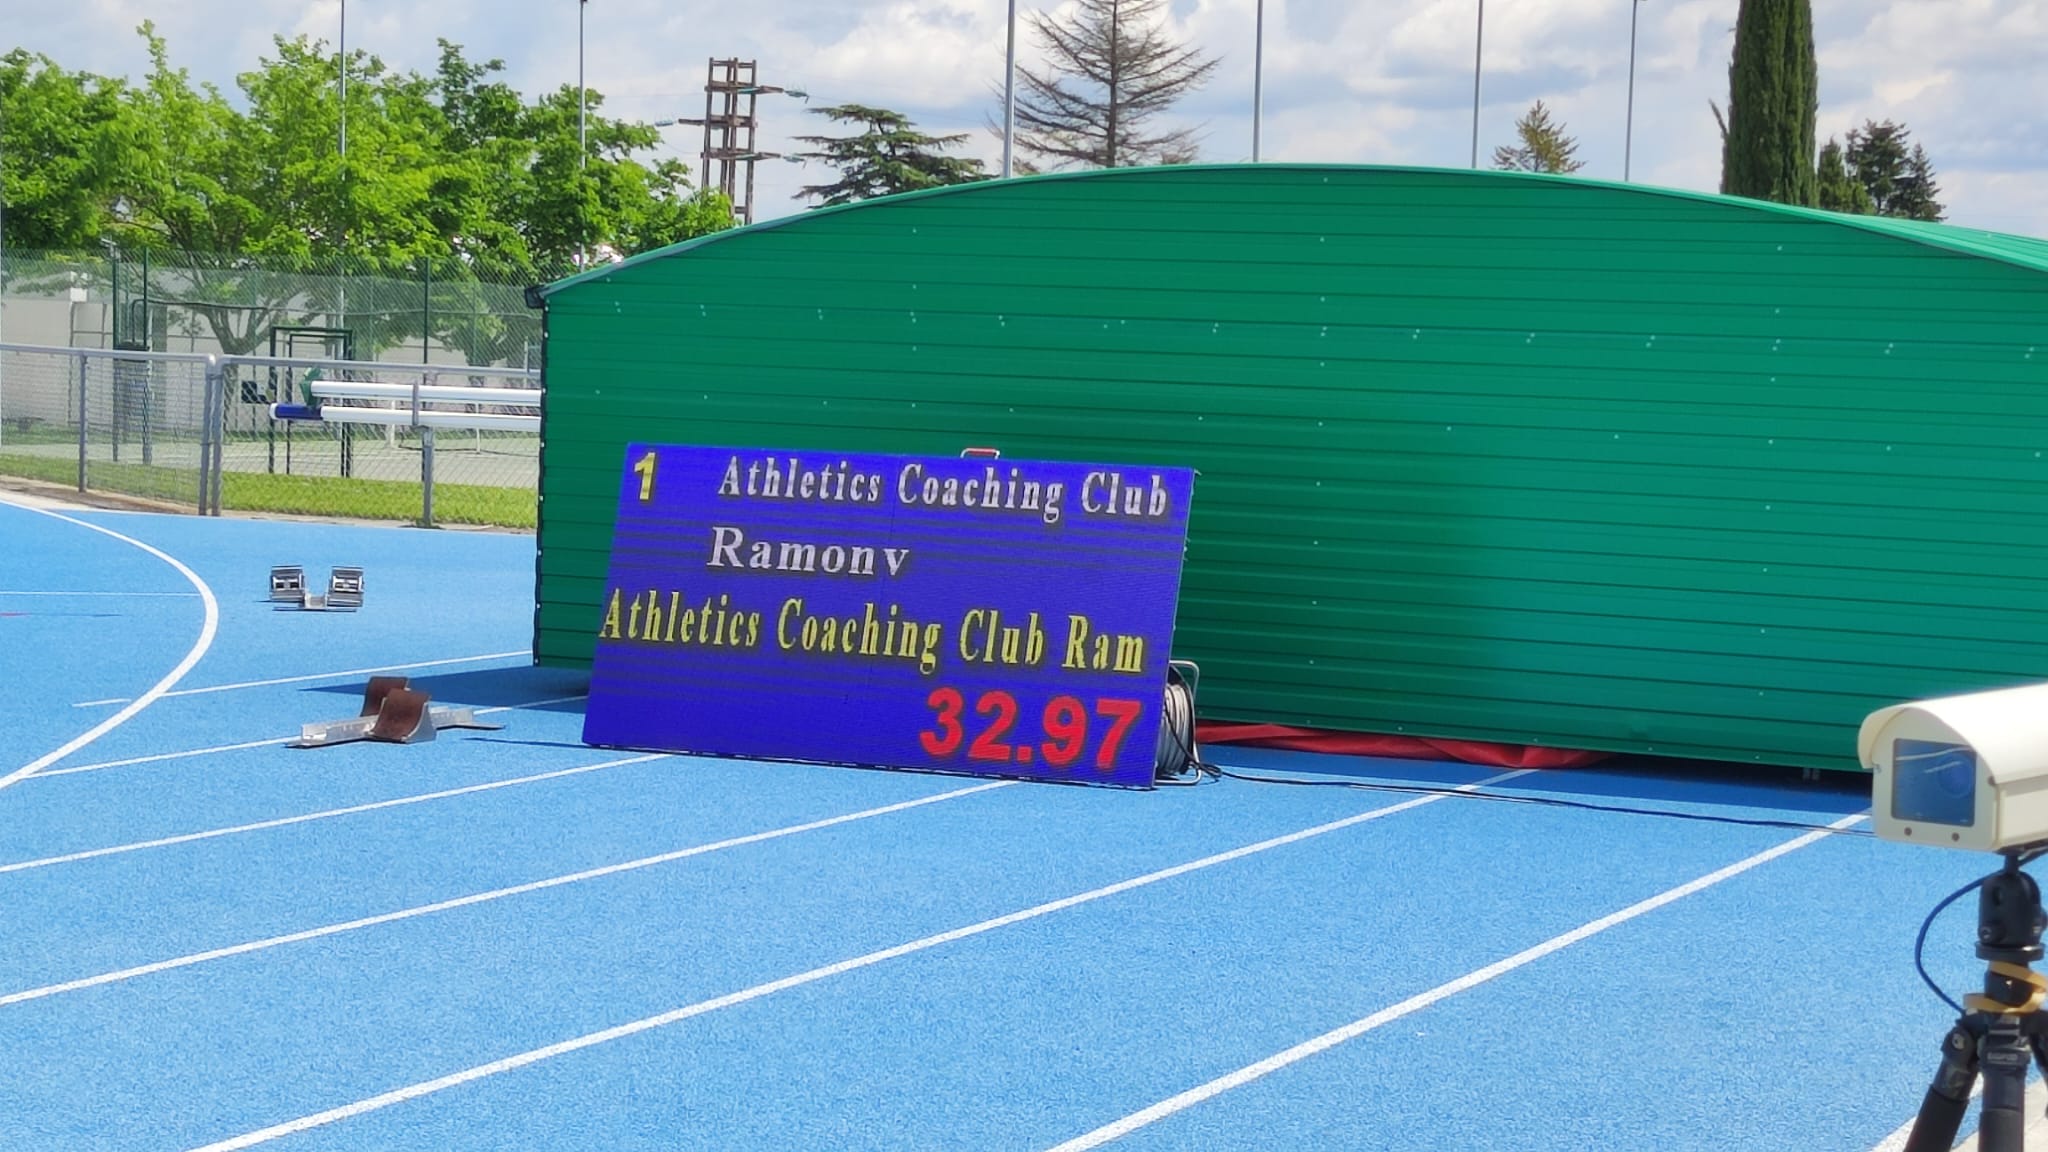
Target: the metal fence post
pixel 426 477
pixel 209 432
pixel 219 420
pixel 426 453
pixel 81 420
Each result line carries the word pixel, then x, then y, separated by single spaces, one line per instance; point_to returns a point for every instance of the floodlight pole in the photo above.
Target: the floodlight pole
pixel 1478 47
pixel 582 140
pixel 344 81
pixel 1628 140
pixel 1258 73
pixel 341 303
pixel 1010 92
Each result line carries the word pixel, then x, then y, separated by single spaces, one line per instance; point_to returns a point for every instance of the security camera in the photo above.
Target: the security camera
pixel 1961 771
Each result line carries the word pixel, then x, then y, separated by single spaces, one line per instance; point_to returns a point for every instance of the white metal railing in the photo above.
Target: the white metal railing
pixel 443 406
pixel 341 392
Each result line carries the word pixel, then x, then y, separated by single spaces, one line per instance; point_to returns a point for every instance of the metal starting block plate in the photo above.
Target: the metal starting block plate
pixel 345 588
pixel 288 583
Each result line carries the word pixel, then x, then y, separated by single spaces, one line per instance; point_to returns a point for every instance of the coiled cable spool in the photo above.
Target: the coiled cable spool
pixel 1176 754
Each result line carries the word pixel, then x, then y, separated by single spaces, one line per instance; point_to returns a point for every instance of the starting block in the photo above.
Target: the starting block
pixel 344 590
pixel 392 713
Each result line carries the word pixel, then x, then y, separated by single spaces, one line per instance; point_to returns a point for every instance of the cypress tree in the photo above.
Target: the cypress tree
pixel 1773 99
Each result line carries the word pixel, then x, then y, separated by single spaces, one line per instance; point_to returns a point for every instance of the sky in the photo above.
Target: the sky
pixel 1345 81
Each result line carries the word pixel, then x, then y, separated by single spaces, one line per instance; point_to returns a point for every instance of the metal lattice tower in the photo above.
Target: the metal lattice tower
pixel 730 94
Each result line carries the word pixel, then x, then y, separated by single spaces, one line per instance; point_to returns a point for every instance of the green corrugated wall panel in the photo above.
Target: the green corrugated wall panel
pixel 1484 456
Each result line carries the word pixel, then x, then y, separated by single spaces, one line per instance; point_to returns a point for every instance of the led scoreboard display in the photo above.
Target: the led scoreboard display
pixel 996 617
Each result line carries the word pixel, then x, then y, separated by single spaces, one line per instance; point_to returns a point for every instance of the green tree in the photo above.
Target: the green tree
pixel 888 155
pixel 614 205
pixel 1773 100
pixel 1836 190
pixel 1544 146
pixel 1899 180
pixel 454 170
pixel 58 133
pixel 1111 70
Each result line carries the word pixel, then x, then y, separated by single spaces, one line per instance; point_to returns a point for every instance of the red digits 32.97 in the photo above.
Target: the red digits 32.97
pixel 1065 723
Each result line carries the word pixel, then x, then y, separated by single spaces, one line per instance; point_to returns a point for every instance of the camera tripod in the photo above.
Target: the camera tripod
pixel 2000 1029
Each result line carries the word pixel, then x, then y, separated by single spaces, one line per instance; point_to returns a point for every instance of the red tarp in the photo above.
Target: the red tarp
pixel 1392 747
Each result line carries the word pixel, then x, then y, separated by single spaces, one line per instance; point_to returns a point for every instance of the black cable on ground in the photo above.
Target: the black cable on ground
pixel 1180 754
pixel 1547 801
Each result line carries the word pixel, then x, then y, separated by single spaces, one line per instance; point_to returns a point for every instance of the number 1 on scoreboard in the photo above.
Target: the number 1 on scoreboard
pixel 645 467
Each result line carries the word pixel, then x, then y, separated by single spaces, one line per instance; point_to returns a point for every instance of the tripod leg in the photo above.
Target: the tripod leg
pixel 2040 1044
pixel 1941 1111
pixel 2006 1057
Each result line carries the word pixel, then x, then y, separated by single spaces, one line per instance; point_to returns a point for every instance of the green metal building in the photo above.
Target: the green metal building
pixel 1482 455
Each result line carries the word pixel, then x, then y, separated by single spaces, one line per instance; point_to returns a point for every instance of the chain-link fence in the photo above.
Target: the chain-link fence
pixel 445 311
pixel 421 443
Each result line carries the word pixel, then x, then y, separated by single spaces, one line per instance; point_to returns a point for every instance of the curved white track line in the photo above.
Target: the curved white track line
pixel 170 680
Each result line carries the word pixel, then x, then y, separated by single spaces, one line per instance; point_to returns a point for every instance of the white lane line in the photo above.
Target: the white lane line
pixel 485 897
pixel 318 676
pixel 329 814
pixel 157 690
pixel 154 758
pixel 181 595
pixel 1441 992
pixel 164 756
pixel 535 1056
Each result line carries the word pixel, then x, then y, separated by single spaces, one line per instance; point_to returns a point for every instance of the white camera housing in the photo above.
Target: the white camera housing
pixel 1961 771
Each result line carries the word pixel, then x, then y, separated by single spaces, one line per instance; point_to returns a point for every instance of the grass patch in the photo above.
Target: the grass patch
pixel 377 499
pixel 52 469
pixel 349 498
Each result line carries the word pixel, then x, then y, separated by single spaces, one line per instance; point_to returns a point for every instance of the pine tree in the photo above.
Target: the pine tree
pixel 1544 147
pixel 1112 69
pixel 890 155
pixel 1900 181
pixel 1918 190
pixel 1773 100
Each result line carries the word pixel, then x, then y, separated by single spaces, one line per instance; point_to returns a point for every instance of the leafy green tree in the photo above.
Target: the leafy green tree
pixel 1544 146
pixel 1773 100
pixel 615 204
pixel 1111 70
pixel 58 131
pixel 887 156
pixel 454 170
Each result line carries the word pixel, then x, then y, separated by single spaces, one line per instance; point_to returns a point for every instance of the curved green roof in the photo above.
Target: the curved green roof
pixel 2022 251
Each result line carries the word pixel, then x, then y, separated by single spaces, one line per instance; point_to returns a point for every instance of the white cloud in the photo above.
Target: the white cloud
pixel 1388 82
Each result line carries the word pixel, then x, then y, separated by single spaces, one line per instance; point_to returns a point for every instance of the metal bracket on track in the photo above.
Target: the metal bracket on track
pixel 392 713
